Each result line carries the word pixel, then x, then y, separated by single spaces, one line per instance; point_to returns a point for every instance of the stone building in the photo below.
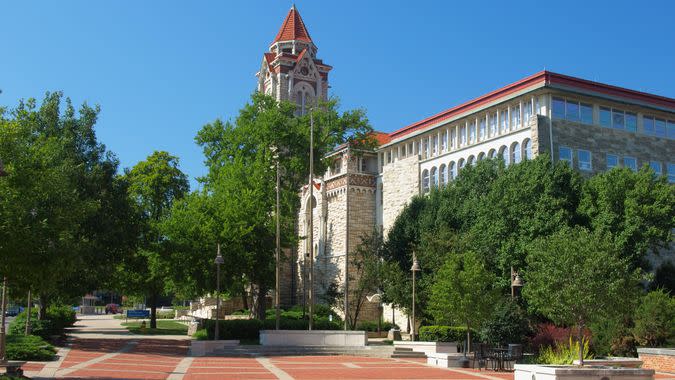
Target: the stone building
pixel 590 125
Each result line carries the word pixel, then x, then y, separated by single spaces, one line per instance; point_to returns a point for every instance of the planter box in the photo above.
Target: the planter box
pixel 445 360
pixel 375 334
pixel 429 347
pixel 613 362
pixel 659 359
pixel 563 372
pixel 207 347
pixel 313 338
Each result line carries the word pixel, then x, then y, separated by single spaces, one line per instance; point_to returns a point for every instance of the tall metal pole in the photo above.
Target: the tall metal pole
pixel 311 221
pixel 412 326
pixel 278 253
pixel 3 358
pixel 219 260
pixel 346 285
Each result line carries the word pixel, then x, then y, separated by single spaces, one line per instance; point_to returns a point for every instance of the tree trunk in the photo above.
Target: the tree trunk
pixel 42 312
pixel 258 306
pixel 153 311
pixel 581 344
pixel 28 312
pixel 244 299
pixel 468 339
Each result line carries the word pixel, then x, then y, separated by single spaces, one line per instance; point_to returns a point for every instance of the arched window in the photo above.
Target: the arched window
pixel 452 170
pixel 504 152
pixel 492 153
pixel 434 177
pixel 527 148
pixel 515 153
pixel 443 175
pixel 460 164
pixel 470 160
pixel 425 181
pixel 481 156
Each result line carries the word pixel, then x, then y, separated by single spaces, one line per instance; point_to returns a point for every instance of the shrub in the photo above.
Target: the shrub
pixel 57 319
pixel 612 337
pixel 249 329
pixel 20 347
pixel 200 334
pixel 548 335
pixel 62 316
pixel 372 326
pixel 166 314
pixel 655 319
pixel 563 353
pixel 508 324
pixel 443 333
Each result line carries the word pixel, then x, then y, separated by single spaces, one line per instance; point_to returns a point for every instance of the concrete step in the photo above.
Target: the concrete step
pixel 248 351
pixel 409 355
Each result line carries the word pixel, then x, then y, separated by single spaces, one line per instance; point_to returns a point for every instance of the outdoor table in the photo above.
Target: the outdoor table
pixel 499 354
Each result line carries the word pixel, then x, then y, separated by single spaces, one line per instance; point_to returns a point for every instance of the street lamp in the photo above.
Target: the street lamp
pixel 415 268
pixel 278 242
pixel 218 261
pixel 3 302
pixel 516 283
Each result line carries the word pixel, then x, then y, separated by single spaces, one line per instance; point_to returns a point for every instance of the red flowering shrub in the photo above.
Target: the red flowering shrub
pixel 549 334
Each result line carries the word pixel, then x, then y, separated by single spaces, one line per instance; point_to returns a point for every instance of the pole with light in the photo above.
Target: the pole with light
pixel 311 220
pixel 516 283
pixel 3 302
pixel 277 285
pixel 218 261
pixel 415 268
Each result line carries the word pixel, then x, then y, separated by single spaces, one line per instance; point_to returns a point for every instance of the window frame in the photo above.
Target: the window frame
pixel 585 165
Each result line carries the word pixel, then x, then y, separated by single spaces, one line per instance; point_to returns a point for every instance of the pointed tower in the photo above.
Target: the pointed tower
pixel 290 70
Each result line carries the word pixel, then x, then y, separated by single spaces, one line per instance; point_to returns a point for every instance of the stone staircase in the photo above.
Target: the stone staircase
pixel 406 352
pixel 379 351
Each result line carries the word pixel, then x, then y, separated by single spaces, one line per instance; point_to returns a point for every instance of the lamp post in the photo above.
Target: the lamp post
pixel 218 261
pixel 311 220
pixel 277 284
pixel 516 283
pixel 415 268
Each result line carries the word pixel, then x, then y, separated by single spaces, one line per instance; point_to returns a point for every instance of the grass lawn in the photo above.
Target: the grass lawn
pixel 164 327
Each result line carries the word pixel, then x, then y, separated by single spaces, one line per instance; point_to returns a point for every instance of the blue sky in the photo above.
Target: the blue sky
pixel 162 69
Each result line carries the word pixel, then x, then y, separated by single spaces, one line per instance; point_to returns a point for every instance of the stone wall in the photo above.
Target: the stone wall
pixel 400 181
pixel 658 359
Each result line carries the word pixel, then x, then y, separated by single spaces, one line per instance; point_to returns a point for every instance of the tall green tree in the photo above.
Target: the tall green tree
pixel 576 277
pixel 463 292
pixel 239 189
pixel 154 185
pixel 64 216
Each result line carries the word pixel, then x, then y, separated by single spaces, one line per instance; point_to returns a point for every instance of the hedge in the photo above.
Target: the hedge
pixel 250 328
pixel 20 347
pixel 372 326
pixel 443 333
pixel 57 319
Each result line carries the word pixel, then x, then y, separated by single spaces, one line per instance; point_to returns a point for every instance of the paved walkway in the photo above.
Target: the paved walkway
pixel 107 327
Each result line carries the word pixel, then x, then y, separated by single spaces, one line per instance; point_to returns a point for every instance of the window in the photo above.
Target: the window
pixel 470 161
pixel 452 137
pixel 648 124
pixel 515 153
pixel 586 113
pixel 505 154
pixel 515 117
pixel 462 135
pixel 389 157
pixel 435 144
pixel 425 181
pixel 528 149
pixel 493 124
pixel 363 165
pixel 504 121
pixel 492 154
pixel 572 111
pixel 460 164
pixel 558 108
pixel 443 178
pixel 425 148
pixel 481 130
pixel 565 154
pixel 337 166
pixel 527 110
pixel 631 122
pixel 617 119
pixel 434 177
pixel 630 162
pixel 612 161
pixel 444 141
pixel 584 158
pixel 452 171
pixel 671 129
pixel 472 132
pixel 605 117
pixel 671 172
pixel 656 167
pixel 660 128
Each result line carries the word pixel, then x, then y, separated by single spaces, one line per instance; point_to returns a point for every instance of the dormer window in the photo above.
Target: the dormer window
pixel 337 167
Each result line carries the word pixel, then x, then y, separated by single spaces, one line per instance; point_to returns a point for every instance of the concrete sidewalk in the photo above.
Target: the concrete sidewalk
pixel 107 327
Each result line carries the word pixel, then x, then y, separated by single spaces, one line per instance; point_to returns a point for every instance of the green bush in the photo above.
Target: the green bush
pixel 443 333
pixel 655 319
pixel 200 334
pixel 20 347
pixel 372 326
pixel 249 329
pixel 57 319
pixel 563 353
pixel 508 324
pixel 165 314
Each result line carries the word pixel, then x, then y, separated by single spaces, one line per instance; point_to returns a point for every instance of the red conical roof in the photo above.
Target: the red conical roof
pixel 293 28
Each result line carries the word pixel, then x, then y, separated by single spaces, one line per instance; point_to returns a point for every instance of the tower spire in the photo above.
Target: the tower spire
pixel 293 28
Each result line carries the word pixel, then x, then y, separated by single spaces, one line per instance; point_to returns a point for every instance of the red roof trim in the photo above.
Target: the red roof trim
pixel 547 78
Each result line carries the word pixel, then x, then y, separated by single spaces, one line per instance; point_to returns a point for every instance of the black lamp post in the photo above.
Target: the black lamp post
pixel 516 283
pixel 3 302
pixel 415 268
pixel 218 261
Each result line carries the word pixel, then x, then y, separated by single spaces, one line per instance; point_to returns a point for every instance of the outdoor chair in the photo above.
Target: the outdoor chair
pixel 514 354
pixel 480 355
